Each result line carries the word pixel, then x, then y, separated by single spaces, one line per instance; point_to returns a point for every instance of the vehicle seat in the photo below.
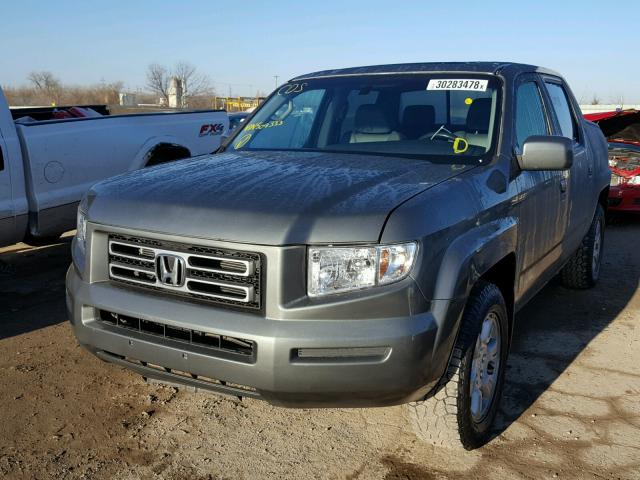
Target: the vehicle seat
pixel 418 120
pixel 371 125
pixel 477 124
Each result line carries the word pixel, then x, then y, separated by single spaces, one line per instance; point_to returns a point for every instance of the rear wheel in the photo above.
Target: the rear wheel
pixel 583 268
pixel 460 411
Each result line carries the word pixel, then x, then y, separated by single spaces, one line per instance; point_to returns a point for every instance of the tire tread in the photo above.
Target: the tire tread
pixel 436 419
pixel 577 273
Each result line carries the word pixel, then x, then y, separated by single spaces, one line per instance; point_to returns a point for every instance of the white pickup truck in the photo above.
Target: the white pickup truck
pixel 47 165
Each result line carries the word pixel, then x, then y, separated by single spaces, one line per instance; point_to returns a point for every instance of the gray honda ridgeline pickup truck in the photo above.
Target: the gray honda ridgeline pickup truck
pixel 364 239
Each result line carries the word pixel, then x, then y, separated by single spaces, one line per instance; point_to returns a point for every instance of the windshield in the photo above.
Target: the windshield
pixel 444 117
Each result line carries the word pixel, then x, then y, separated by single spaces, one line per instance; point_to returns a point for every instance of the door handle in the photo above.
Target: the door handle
pixel 590 171
pixel 563 185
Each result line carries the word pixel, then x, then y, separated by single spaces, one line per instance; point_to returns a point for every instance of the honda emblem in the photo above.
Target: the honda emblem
pixel 170 270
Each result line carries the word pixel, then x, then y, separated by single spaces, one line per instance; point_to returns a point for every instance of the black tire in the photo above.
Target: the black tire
pixel 583 270
pixel 444 418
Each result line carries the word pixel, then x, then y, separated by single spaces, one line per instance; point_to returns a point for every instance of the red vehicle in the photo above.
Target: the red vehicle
pixel 622 130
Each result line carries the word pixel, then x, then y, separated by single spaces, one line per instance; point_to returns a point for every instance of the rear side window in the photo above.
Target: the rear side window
pixel 563 111
pixel 529 113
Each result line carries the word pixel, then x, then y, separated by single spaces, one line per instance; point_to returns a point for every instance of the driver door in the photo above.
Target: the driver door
pixel 543 194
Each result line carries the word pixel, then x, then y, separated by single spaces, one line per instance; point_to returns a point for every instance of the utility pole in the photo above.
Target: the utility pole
pixel 276 77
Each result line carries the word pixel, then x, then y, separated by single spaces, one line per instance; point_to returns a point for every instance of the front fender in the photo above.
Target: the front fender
pixel 471 255
pixel 467 258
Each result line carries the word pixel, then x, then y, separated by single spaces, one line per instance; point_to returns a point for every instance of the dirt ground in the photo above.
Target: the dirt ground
pixel 571 406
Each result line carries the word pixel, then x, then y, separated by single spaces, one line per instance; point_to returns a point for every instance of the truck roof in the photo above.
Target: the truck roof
pixel 474 67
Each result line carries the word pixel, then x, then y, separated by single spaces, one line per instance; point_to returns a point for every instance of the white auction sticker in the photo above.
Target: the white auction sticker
pixel 458 84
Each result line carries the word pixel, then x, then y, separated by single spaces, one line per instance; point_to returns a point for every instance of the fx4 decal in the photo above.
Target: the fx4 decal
pixel 211 129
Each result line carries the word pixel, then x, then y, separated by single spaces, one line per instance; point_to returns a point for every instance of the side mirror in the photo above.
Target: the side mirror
pixel 542 152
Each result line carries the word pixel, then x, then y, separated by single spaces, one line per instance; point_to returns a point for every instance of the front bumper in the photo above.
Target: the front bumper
pixel 377 347
pixel 411 362
pixel 624 198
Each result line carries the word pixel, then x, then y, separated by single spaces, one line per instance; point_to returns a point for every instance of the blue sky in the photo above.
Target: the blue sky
pixel 242 45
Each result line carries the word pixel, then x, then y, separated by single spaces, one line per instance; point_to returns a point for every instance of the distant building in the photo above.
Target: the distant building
pixel 176 93
pixel 127 99
pixel 237 104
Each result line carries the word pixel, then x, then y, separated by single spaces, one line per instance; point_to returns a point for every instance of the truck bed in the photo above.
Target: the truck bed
pixel 45 113
pixel 63 158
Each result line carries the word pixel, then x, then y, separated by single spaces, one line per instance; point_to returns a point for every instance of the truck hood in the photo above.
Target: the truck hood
pixel 268 198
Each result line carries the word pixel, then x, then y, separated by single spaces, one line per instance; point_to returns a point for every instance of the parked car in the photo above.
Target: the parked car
pixel 47 164
pixel 365 240
pixel 622 128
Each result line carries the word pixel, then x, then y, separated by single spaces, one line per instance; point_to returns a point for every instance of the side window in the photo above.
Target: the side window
pixel 530 118
pixel 563 110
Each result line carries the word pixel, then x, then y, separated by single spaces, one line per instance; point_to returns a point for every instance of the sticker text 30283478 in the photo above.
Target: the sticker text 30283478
pixel 457 84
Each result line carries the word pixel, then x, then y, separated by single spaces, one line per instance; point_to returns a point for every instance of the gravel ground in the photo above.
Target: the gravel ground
pixel 571 407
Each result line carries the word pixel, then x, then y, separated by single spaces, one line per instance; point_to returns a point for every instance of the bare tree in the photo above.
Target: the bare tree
pixel 158 79
pixel 46 84
pixel 43 80
pixel 194 84
pixel 595 100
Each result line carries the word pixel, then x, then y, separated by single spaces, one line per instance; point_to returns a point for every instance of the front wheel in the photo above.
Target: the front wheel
pixel 583 268
pixel 461 410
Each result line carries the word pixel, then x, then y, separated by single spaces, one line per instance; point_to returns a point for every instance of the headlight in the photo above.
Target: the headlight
pixel 81 230
pixel 341 269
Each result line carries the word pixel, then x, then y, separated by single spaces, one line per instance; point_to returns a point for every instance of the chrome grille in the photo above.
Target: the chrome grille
pixel 221 276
